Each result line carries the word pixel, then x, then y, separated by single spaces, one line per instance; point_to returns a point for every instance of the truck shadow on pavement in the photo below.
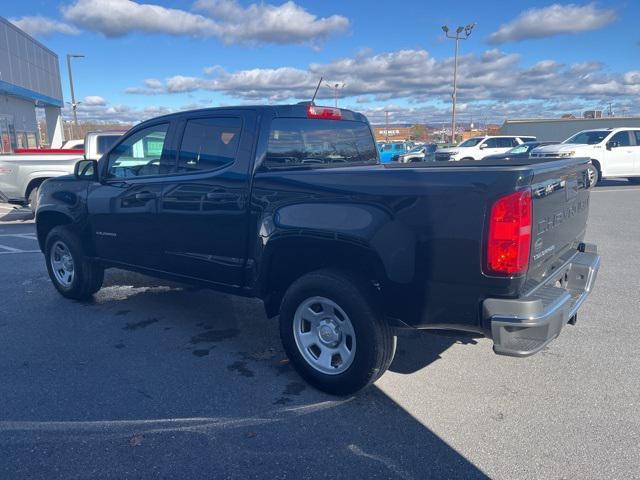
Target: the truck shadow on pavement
pixel 122 386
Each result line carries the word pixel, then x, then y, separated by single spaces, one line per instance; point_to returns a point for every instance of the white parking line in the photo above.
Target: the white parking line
pixel 17 251
pixel 28 236
pixel 615 190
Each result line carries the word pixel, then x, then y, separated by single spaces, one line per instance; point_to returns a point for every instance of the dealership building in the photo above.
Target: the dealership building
pixel 559 129
pixel 29 79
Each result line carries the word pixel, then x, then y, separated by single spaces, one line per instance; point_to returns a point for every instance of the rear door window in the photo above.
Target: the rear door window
pixel 209 143
pixel 301 142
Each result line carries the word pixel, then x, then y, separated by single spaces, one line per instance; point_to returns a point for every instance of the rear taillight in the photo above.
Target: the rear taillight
pixel 324 113
pixel 509 240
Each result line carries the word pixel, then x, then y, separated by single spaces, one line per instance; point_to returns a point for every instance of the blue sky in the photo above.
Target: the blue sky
pixel 523 58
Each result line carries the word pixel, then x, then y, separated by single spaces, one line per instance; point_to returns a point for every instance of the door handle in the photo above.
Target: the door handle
pixel 216 193
pixel 145 196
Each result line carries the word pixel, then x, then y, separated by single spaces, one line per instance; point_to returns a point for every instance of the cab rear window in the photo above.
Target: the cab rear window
pixel 315 143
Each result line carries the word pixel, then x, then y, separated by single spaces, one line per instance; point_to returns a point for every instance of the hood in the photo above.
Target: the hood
pixel 450 149
pixel 560 147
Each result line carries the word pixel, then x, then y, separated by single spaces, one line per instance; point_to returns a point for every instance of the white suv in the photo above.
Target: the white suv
pixel 476 148
pixel 614 152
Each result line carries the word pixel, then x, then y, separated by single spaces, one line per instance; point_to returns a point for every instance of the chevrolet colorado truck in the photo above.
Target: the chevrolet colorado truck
pixel 291 205
pixel 22 172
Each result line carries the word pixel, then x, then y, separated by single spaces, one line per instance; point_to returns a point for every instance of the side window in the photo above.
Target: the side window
pixel 637 135
pixel 141 154
pixel 621 139
pixel 512 142
pixel 209 143
pixel 491 143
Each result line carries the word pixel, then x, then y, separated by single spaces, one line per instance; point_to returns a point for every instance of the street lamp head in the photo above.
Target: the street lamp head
pixel 74 55
pixel 445 29
pixel 459 29
pixel 469 28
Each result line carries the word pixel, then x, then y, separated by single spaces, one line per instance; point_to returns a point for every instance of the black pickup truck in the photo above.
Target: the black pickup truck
pixel 291 205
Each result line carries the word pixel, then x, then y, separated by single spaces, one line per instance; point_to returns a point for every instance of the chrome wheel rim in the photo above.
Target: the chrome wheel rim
pixel 62 264
pixel 324 335
pixel 592 174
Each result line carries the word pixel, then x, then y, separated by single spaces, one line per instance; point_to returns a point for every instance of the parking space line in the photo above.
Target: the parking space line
pixel 616 190
pixel 28 236
pixel 10 249
pixel 18 252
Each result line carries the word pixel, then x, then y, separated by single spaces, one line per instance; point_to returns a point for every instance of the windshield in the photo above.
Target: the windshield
pixel 519 149
pixel 472 142
pixel 592 137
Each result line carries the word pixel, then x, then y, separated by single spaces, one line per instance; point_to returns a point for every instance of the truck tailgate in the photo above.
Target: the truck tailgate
pixel 560 204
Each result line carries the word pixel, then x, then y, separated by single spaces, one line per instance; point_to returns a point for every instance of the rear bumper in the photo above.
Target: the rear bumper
pixel 524 326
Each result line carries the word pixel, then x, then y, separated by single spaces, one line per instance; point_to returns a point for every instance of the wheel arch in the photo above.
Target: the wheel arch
pixel 47 221
pixel 295 257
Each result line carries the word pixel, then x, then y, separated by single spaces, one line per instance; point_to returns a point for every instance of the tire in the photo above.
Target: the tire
pixel 83 276
pixel 593 174
pixel 634 180
pixel 465 159
pixel 32 199
pixel 342 303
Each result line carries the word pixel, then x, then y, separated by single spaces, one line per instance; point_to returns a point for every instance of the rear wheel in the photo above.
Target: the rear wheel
pixel 73 274
pixel 333 332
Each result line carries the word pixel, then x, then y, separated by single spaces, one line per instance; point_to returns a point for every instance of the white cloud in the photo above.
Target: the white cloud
pixel 263 22
pixel 553 20
pixel 40 26
pixel 416 75
pixel 94 100
pixel 116 18
pixel 226 20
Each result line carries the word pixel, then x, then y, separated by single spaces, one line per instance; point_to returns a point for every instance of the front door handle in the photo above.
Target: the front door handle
pixel 216 193
pixel 145 196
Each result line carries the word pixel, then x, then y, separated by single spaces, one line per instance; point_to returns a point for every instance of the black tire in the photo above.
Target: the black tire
pixel 375 342
pixel 32 199
pixel 466 159
pixel 634 180
pixel 87 274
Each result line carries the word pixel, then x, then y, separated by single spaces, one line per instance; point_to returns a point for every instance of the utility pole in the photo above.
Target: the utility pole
pixel 467 31
pixel 74 105
pixel 386 131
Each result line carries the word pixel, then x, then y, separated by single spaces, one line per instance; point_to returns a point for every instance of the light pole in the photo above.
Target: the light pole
pixel 467 31
pixel 74 105
pixel 336 87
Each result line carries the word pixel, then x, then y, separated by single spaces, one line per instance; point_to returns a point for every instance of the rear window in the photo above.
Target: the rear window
pixel 105 142
pixel 314 143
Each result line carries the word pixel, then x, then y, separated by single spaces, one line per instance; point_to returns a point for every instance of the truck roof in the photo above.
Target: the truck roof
pixel 294 110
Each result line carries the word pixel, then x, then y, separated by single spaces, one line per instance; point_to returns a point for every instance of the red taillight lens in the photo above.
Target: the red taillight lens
pixel 510 234
pixel 325 113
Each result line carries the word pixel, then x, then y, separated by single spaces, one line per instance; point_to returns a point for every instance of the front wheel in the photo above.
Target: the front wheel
pixel 593 175
pixel 73 274
pixel 333 332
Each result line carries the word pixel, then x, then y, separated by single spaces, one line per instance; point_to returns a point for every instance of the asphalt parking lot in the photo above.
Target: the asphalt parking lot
pixel 158 380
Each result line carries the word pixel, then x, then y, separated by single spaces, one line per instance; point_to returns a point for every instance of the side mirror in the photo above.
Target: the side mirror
pixel 483 146
pixel 86 170
pixel 611 145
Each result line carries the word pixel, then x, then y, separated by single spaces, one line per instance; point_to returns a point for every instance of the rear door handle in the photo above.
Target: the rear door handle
pixel 145 196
